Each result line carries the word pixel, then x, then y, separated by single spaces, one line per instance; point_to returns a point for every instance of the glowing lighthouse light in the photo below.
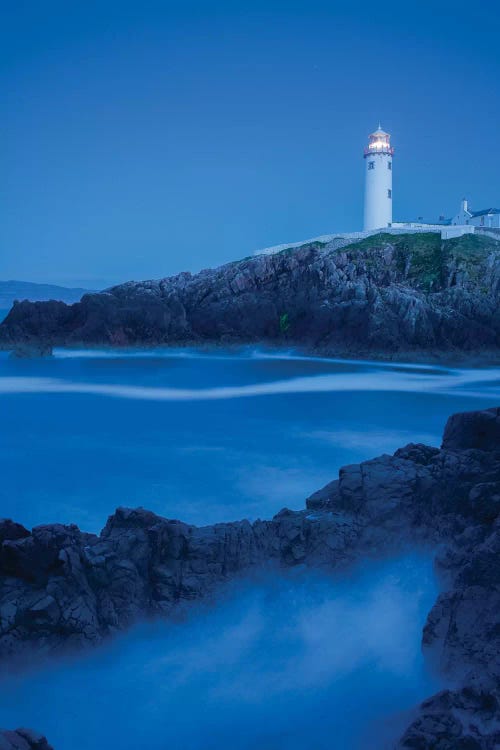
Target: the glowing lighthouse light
pixel 378 181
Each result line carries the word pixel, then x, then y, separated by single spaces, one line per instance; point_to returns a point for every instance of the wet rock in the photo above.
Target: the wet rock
pixel 465 719
pixel 480 431
pixel 62 589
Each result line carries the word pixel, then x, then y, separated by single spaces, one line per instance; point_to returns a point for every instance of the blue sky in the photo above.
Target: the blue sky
pixel 141 139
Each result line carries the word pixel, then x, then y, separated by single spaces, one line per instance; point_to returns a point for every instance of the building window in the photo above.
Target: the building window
pixel 389 165
pixel 389 193
pixel 371 165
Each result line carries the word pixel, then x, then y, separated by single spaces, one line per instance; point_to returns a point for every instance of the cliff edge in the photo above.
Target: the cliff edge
pixel 387 294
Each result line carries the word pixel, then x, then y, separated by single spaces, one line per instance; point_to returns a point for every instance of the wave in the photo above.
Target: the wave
pixel 249 353
pixel 452 383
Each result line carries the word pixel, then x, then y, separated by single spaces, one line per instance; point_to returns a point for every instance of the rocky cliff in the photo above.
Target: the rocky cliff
pixel 62 589
pixel 385 295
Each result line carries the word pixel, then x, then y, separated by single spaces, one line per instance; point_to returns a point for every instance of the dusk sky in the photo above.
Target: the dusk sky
pixel 142 139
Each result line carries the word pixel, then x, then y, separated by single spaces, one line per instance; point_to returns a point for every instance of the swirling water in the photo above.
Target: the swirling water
pixel 206 437
pixel 295 662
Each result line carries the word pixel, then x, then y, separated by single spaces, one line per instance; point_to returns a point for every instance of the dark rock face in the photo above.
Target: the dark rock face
pixel 23 739
pixel 62 589
pixel 465 719
pixel 480 431
pixel 31 350
pixel 387 294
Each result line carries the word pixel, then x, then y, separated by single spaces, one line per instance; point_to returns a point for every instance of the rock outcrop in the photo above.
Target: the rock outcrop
pixel 61 588
pixel 466 719
pixel 385 295
pixel 23 739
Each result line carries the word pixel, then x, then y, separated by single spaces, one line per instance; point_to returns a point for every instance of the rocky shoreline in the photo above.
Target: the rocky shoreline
pixel 389 296
pixel 62 589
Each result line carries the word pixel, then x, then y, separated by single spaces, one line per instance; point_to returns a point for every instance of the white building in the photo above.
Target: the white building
pixel 487 217
pixel 378 181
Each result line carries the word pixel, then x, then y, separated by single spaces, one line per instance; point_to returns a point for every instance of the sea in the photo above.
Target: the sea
pixel 304 660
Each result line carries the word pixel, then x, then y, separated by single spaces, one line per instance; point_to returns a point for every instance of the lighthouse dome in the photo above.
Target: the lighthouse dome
pixel 379 142
pixel 379 131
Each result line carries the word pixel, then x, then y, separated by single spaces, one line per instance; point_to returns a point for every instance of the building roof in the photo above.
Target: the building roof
pixel 379 131
pixel 485 212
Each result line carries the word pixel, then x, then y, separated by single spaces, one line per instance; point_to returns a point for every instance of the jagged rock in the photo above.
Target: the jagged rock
pixel 23 739
pixel 465 719
pixel 473 430
pixel 63 589
pixel 386 295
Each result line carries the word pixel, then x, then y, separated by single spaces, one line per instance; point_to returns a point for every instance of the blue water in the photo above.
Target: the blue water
pixel 206 438
pixel 296 662
pixel 282 664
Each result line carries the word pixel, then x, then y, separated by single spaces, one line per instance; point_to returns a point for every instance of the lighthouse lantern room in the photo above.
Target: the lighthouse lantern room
pixel 378 181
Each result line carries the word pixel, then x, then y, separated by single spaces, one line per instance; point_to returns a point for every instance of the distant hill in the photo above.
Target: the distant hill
pixel 21 290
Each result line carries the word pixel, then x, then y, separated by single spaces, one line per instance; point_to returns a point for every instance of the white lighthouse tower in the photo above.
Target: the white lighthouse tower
pixel 378 181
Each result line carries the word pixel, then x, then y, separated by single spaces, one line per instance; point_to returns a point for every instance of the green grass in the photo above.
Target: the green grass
pixel 424 257
pixel 376 241
pixel 316 245
pixel 470 251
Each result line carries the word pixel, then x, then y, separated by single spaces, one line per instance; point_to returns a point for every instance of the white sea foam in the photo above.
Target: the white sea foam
pixel 456 382
pixel 241 353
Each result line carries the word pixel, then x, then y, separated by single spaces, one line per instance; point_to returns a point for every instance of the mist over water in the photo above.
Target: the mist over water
pixel 206 437
pixel 299 661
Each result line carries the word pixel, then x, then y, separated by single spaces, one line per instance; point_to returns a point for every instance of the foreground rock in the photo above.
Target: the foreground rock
pixel 385 295
pixel 466 719
pixel 23 739
pixel 62 589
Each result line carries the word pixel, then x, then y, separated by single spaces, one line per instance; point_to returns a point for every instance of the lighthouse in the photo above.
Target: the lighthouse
pixel 378 181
